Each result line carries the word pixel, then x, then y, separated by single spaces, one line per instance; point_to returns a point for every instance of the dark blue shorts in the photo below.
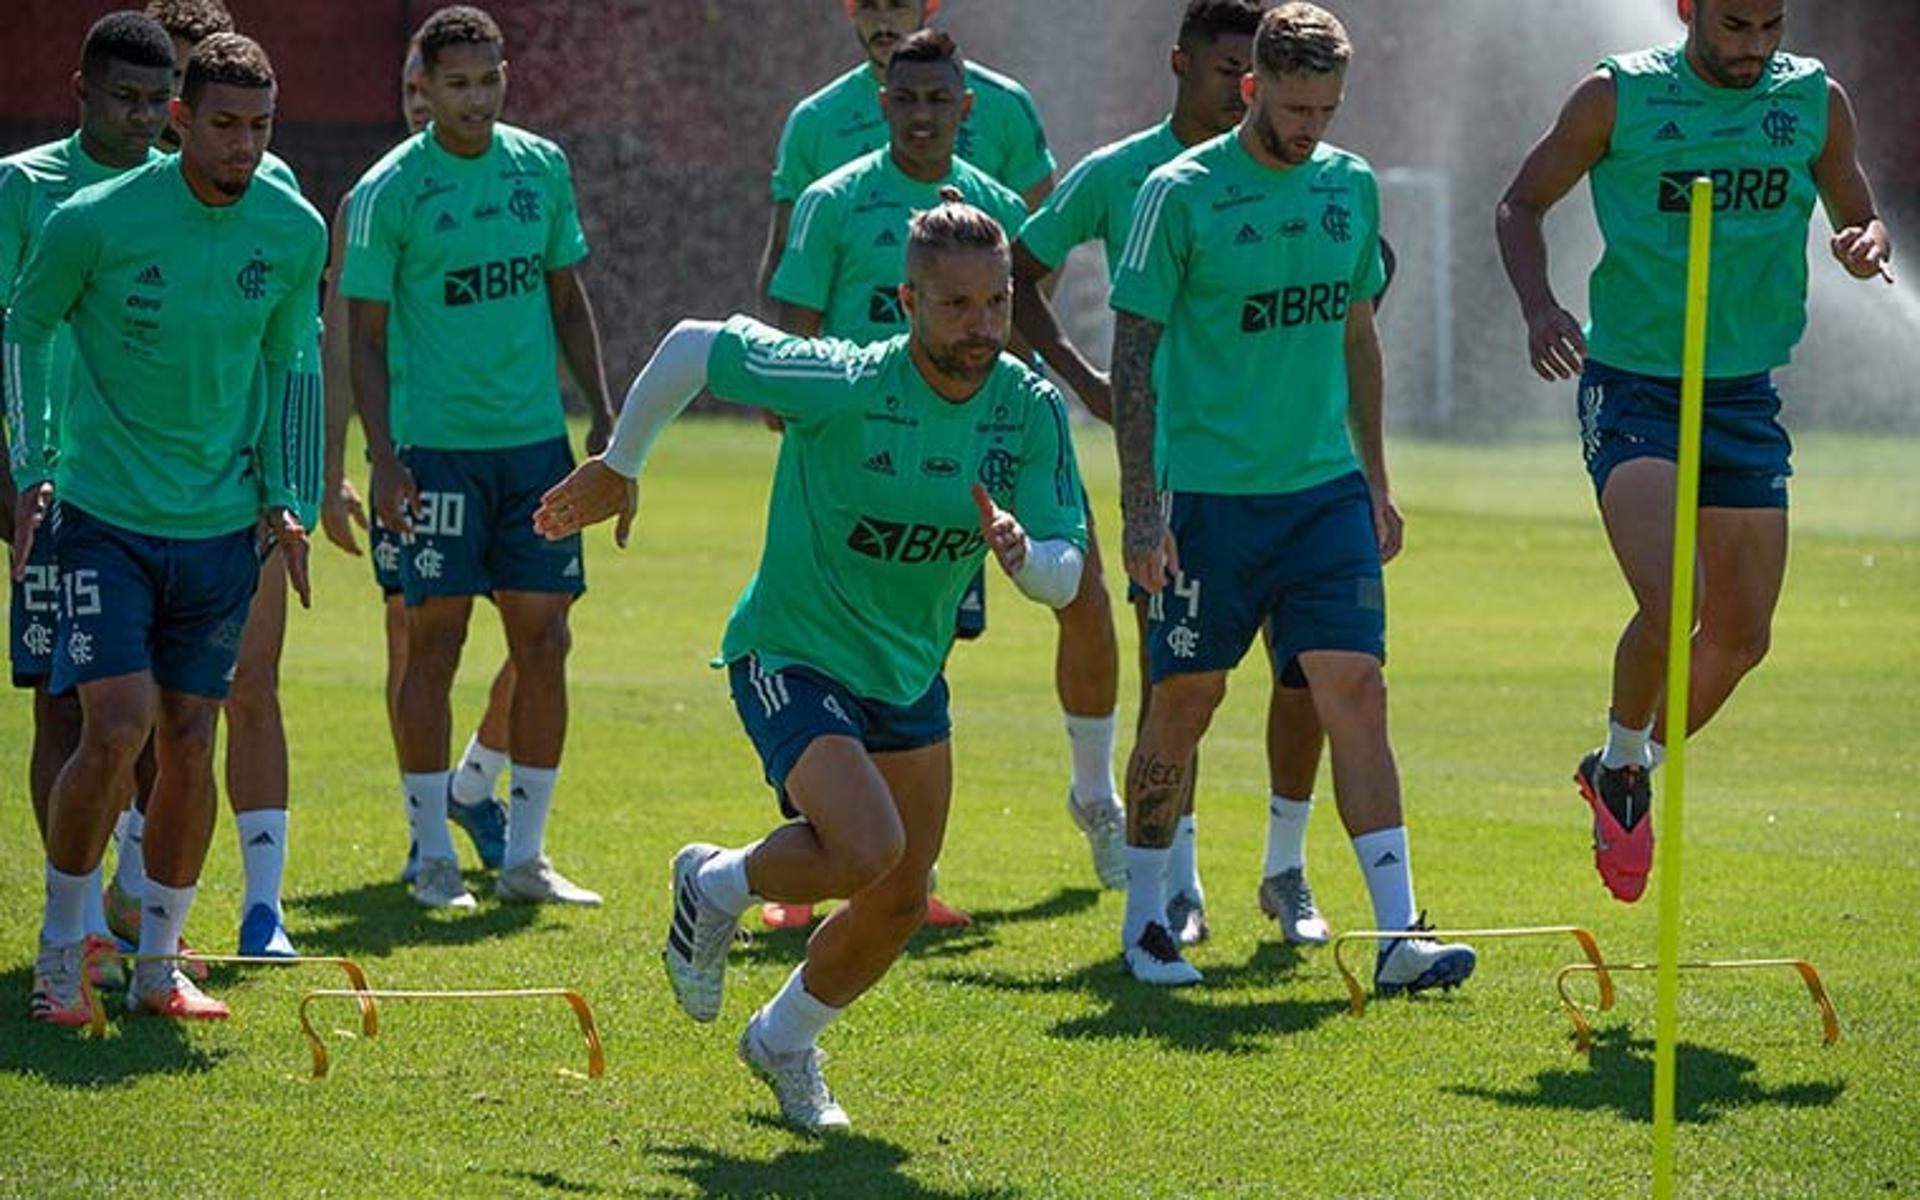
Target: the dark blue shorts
pixel 784 712
pixel 35 613
pixel 1307 562
pixel 1744 453
pixel 1286 674
pixel 385 548
pixel 971 619
pixel 134 602
pixel 473 534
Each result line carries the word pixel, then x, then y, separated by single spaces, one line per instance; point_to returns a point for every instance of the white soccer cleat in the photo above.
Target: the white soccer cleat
pixel 796 1081
pixel 1105 824
pixel 1289 901
pixel 536 882
pixel 438 885
pixel 697 938
pixel 1412 965
pixel 1154 958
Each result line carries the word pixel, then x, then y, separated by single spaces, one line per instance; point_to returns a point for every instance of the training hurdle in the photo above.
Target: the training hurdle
pixel 1357 995
pixel 1583 1033
pixel 589 1032
pixel 97 1011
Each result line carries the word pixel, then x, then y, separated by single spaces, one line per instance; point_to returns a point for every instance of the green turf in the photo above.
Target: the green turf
pixel 1013 1059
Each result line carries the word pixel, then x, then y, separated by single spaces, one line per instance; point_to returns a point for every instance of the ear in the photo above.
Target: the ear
pixel 966 105
pixel 79 85
pixel 1247 89
pixel 178 115
pixel 908 302
pixel 1686 10
pixel 1179 61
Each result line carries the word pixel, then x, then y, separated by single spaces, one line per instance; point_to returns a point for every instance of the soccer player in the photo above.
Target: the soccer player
pixel 472 803
pixel 1249 272
pixel 171 469
pixel 1095 203
pixel 836 649
pixel 123 85
pixel 1774 132
pixel 465 241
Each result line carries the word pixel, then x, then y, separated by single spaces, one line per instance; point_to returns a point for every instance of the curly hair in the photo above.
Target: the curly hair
pixel 1299 37
pixel 456 25
pixel 227 58
pixel 192 21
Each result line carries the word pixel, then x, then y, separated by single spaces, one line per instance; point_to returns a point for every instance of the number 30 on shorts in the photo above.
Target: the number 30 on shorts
pixel 441 514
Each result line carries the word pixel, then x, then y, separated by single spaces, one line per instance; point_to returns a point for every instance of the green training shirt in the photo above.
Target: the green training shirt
pixel 459 250
pixel 173 306
pixel 1095 199
pixel 1758 145
pixel 1251 270
pixel 842 121
pixel 872 533
pixel 846 252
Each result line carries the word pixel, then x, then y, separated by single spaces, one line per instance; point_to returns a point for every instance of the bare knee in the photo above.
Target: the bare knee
pixel 1741 648
pixel 1355 699
pixel 255 696
pixel 434 644
pixel 1091 610
pixel 541 647
pixel 867 859
pixel 1182 706
pixel 184 736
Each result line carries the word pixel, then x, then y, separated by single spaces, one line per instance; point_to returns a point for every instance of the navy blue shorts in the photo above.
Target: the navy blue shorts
pixel 1744 453
pixel 1307 562
pixel 784 711
pixel 35 613
pixel 971 619
pixel 473 534
pixel 1286 674
pixel 135 602
pixel 385 548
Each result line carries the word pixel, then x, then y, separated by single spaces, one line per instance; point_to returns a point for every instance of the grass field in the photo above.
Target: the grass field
pixel 1013 1059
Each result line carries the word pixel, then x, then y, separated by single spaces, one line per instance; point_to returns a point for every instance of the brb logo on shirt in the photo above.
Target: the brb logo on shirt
pixel 1299 305
pixel 496 280
pixel 901 542
pixel 1746 189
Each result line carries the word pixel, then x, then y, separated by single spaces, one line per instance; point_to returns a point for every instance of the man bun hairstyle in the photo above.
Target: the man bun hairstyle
pixel 456 25
pixel 952 224
pixel 192 21
pixel 1216 18
pixel 126 36
pixel 227 58
pixel 1300 38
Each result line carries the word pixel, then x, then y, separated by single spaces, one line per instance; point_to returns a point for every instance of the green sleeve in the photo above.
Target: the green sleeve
pixel 566 241
pixel 1370 273
pixel 374 233
pixel 294 429
pixel 1009 209
pixel 1048 497
pixel 805 274
pixel 1068 217
pixel 1158 246
pixel 803 380
pixel 1028 159
pixel 55 273
pixel 15 199
pixel 793 166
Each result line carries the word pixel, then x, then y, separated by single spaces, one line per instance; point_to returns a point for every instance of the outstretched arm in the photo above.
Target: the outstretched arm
pixel 1860 242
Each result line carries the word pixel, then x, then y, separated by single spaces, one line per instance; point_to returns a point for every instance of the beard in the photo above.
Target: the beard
pixel 949 360
pixel 1272 143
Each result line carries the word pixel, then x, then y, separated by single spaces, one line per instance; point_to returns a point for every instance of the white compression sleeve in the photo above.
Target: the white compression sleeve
pixel 660 392
pixel 1051 573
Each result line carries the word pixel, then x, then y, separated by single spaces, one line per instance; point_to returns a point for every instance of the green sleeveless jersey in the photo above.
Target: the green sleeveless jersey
pixel 1095 200
pixel 1758 145
pixel 846 252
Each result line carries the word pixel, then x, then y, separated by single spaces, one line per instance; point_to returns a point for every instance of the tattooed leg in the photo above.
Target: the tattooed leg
pixel 1159 777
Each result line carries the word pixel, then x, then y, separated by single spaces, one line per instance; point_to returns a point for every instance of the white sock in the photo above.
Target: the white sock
pixel 793 1019
pixel 1389 876
pixel 65 918
pixel 425 793
pixel 263 855
pixel 722 881
pixel 130 872
pixel 163 917
pixel 1146 891
pixel 478 772
pixel 1091 739
pixel 96 906
pixel 1183 862
pixel 1286 834
pixel 1656 754
pixel 528 805
pixel 1625 747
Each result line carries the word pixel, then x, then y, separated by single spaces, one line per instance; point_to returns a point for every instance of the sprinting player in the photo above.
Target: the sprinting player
pixel 123 85
pixel 171 471
pixel 1250 272
pixel 1774 131
pixel 837 647
pixel 465 241
pixel 472 803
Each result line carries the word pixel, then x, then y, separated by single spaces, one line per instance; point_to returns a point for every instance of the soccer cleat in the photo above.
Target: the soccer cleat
pixel 1412 965
pixel 412 870
pixel 1621 799
pixel 438 885
pixel 775 915
pixel 697 938
pixel 123 919
pixel 1289 901
pixel 1105 825
pixel 1187 918
pixel 264 935
pixel 942 915
pixel 536 882
pixel 486 824
pixel 1154 958
pixel 57 997
pixel 796 1081
pixel 104 970
pixel 162 990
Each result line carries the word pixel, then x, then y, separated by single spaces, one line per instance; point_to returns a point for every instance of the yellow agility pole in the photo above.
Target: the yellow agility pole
pixel 1686 511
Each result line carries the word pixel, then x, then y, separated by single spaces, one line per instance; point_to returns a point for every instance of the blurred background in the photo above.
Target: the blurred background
pixel 670 110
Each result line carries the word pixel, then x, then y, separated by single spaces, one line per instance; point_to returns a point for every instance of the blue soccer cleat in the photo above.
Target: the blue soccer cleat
pixel 262 935
pixel 486 824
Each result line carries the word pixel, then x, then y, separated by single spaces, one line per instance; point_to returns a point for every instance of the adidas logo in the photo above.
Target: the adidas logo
pixel 881 463
pixel 445 223
pixel 151 276
pixel 157 910
pixel 263 838
pixel 1388 859
pixel 573 568
pixel 1670 132
pixel 1247 236
pixel 887 238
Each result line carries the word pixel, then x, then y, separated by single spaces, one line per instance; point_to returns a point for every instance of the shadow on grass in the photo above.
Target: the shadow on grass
pixel 1182 1019
pixel 837 1164
pixel 135 1047
pixel 1708 1083
pixel 376 919
pixel 554 1183
pixel 790 945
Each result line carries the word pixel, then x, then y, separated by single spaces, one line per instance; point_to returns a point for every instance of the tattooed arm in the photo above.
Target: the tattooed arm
pixel 1148 543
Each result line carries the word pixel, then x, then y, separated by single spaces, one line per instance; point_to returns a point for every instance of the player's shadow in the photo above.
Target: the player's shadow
pixel 834 1164
pixel 1708 1083
pixel 929 941
pixel 134 1048
pixel 1190 1020
pixel 375 919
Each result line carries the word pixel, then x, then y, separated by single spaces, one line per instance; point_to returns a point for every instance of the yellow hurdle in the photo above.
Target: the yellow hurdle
pixel 1583 1033
pixel 589 1032
pixel 97 1010
pixel 1357 995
